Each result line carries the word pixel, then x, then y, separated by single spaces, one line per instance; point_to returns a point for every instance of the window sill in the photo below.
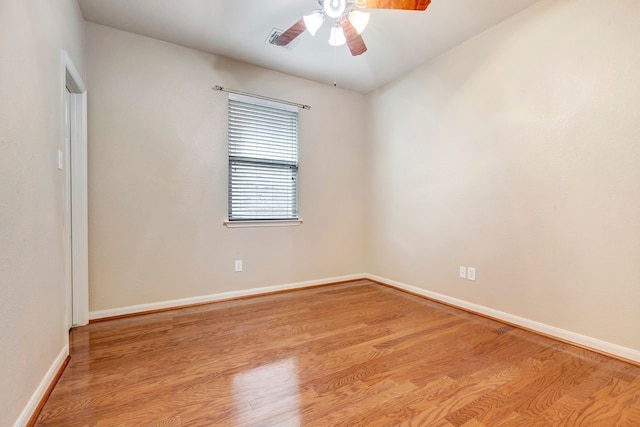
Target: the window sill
pixel 263 223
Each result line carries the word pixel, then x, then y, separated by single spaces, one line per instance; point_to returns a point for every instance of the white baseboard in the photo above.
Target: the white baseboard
pixel 140 308
pixel 562 334
pixel 37 396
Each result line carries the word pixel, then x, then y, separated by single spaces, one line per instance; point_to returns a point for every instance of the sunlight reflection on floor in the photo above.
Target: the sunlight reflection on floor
pixel 268 394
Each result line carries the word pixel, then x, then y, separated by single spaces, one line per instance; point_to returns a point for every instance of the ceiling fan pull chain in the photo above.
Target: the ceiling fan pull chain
pixel 335 66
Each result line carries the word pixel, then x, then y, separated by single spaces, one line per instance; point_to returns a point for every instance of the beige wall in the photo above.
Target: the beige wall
pixel 518 153
pixel 158 176
pixel 32 304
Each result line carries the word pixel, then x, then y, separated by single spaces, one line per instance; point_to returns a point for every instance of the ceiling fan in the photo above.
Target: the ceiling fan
pixel 349 21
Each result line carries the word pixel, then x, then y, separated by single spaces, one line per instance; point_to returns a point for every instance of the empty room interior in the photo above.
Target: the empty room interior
pixel 320 212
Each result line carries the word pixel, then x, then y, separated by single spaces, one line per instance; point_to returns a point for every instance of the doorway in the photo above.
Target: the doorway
pixel 74 163
pixel 68 226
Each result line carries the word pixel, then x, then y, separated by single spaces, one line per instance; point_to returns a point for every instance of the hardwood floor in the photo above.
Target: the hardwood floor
pixel 356 354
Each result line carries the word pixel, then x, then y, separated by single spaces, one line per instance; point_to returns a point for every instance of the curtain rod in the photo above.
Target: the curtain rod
pixel 266 98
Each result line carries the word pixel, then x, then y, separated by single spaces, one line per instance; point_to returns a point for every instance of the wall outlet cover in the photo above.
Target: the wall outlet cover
pixel 463 272
pixel 471 273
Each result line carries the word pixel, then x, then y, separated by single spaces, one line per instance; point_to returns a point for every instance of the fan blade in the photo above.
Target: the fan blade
pixel 288 36
pixel 354 40
pixel 398 4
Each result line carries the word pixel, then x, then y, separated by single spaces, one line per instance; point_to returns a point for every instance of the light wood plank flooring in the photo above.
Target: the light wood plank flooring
pixel 356 354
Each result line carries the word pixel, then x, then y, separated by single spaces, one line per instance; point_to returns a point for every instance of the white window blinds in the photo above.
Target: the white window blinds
pixel 263 160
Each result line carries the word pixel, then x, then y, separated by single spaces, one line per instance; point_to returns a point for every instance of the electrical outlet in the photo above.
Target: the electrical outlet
pixel 471 273
pixel 463 272
pixel 238 265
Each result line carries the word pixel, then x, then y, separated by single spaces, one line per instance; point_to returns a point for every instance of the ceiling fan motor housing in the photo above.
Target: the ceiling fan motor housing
pixel 334 8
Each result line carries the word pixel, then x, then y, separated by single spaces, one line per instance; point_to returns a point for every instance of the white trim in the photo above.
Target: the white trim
pixel 263 223
pixel 80 228
pixel 563 334
pixel 140 308
pixel 552 331
pixel 72 75
pixel 80 221
pixel 64 164
pixel 37 396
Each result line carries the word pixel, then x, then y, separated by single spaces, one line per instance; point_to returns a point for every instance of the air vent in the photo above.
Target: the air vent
pixel 274 34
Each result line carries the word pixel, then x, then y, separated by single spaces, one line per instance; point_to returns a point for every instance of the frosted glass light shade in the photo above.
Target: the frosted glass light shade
pixel 337 36
pixel 359 20
pixel 313 22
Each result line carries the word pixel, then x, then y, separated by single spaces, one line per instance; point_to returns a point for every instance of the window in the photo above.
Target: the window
pixel 263 160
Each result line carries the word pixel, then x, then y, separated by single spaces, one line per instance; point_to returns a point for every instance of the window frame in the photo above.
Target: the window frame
pixel 236 221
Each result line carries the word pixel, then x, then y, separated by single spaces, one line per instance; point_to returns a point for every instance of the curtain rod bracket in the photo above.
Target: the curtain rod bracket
pixel 295 104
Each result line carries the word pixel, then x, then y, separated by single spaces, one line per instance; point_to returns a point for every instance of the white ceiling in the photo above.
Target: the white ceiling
pixel 398 41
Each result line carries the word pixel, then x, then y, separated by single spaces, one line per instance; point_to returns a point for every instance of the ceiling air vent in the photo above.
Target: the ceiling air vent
pixel 274 34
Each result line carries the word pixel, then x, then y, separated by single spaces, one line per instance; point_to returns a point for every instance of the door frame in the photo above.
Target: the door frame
pixel 79 251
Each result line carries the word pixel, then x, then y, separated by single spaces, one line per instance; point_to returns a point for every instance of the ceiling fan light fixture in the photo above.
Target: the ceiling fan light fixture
pixel 359 20
pixel 313 21
pixel 337 36
pixel 334 8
